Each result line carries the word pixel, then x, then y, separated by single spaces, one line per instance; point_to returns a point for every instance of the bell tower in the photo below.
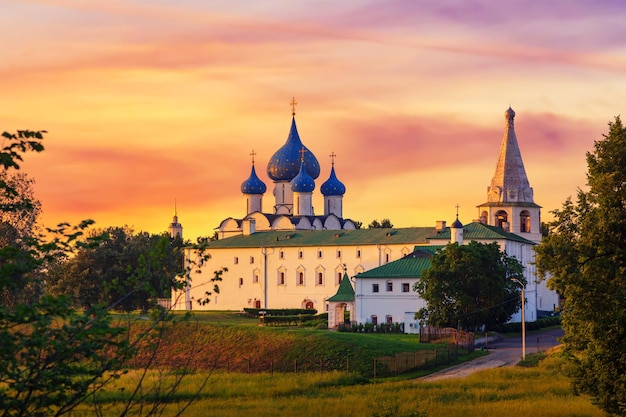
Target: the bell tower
pixel 510 203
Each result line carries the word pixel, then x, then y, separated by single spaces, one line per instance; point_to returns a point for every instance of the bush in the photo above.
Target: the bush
pixel 371 328
pixel 530 325
pixel 295 320
pixel 257 312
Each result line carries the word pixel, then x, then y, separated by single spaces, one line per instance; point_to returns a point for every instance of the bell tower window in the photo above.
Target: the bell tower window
pixel 502 220
pixel 524 222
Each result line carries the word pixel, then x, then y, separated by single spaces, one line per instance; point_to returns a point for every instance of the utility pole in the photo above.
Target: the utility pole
pixel 523 317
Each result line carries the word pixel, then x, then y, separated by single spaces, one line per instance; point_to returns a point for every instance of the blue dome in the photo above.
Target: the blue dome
pixel 332 186
pixel 284 165
pixel 253 185
pixel 303 182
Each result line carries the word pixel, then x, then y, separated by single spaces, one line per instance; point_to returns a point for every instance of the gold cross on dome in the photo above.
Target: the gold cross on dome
pixel 332 157
pixel 303 151
pixel 293 103
pixel 252 154
pixel 457 210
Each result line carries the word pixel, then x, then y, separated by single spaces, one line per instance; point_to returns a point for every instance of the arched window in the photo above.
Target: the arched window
pixel 374 319
pixel 320 278
pixel 524 222
pixel 502 219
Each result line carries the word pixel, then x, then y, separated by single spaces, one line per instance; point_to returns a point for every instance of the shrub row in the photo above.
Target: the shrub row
pixel 296 320
pixel 530 325
pixel 371 328
pixel 256 312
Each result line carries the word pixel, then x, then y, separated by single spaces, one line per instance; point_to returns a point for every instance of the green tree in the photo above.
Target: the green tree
pixel 584 259
pixel 18 205
pixel 54 357
pixel 470 286
pixel 127 269
pixel 384 224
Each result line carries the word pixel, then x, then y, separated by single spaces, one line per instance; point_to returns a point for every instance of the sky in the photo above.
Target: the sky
pixel 154 106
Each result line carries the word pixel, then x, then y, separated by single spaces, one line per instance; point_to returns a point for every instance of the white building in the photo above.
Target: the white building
pixel 293 258
pixel 385 294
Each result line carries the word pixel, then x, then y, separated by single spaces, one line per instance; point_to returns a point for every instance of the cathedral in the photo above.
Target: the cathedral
pixel 293 169
pixel 291 257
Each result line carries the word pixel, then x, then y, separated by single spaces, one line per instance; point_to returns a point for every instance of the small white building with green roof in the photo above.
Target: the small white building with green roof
pixel 385 294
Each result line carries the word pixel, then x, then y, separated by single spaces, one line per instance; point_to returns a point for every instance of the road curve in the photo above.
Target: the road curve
pixel 502 352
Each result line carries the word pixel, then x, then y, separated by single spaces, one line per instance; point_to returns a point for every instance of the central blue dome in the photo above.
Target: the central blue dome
pixel 253 185
pixel 284 165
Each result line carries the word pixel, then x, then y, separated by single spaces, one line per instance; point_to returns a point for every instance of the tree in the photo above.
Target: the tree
pixel 127 269
pixel 384 224
pixel 54 357
pixel 470 286
pixel 584 259
pixel 18 206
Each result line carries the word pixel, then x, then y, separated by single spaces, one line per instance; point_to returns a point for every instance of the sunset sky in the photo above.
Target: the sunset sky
pixel 151 101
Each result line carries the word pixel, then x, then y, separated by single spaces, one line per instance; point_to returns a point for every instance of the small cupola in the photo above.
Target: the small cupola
pixel 332 186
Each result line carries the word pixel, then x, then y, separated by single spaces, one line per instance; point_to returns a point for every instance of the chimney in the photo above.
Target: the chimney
pixel 440 225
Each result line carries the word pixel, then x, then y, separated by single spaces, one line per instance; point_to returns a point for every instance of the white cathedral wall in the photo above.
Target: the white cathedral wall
pixel 238 288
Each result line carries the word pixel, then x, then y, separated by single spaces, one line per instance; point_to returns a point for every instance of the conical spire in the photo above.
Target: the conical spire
pixel 345 292
pixel 510 183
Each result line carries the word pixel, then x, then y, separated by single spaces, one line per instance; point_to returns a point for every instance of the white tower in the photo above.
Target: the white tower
pixel 456 231
pixel 175 229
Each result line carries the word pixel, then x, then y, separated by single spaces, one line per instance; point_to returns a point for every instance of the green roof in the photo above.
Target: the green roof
pixel 297 238
pixel 481 231
pixel 432 249
pixel 411 266
pixel 345 292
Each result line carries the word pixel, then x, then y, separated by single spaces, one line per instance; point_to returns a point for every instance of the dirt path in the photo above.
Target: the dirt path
pixel 503 352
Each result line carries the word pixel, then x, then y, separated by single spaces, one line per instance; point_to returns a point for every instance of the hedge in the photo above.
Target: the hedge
pixel 257 312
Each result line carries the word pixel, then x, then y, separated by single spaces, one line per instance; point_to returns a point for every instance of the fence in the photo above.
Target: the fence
pixel 413 361
pixel 373 368
pixel 447 334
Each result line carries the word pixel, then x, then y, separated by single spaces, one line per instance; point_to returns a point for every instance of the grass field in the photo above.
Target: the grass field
pixel 230 341
pixel 540 391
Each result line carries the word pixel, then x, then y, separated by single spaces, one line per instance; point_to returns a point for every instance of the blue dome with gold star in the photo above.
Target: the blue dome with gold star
pixel 332 186
pixel 303 182
pixel 284 165
pixel 253 185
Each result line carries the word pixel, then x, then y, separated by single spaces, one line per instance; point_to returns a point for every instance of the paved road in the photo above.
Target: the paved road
pixel 502 352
